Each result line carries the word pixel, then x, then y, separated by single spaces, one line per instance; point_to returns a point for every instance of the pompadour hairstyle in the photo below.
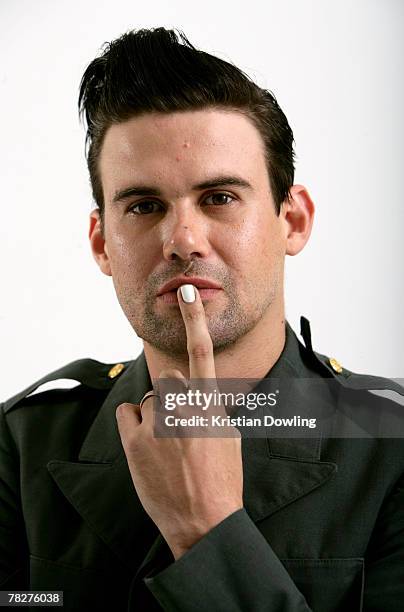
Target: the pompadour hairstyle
pixel 159 70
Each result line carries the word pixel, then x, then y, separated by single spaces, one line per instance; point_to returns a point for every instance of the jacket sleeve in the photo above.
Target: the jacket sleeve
pixel 384 563
pixel 13 549
pixel 232 568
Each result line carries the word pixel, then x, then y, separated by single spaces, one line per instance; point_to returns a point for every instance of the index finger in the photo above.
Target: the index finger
pixel 199 342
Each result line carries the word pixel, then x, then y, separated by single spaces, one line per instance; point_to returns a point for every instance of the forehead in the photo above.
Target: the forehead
pixel 181 147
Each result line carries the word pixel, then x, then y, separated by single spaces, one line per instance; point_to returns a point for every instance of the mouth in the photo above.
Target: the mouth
pixel 207 289
pixel 170 297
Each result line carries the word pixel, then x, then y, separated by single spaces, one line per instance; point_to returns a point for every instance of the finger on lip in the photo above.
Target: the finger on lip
pixel 193 314
pixel 199 341
pixel 187 302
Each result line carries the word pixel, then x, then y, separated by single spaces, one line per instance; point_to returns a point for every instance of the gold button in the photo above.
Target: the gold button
pixel 336 366
pixel 116 370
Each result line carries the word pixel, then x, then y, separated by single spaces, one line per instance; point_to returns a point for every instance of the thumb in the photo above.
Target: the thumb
pixel 128 418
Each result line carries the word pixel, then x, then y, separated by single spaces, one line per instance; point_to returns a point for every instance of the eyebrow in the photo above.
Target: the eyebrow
pixel 147 190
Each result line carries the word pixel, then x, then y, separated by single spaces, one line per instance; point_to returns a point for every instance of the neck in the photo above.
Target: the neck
pixel 252 356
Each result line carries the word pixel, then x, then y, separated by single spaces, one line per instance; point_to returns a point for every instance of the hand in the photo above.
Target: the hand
pixel 186 485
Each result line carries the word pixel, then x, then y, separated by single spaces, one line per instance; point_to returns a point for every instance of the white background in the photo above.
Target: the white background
pixel 336 69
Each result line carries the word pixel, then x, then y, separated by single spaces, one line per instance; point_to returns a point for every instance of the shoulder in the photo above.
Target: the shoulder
pixel 351 404
pixel 88 373
pixel 329 367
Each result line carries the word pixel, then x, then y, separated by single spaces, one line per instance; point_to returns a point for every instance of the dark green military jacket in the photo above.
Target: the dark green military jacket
pixel 322 526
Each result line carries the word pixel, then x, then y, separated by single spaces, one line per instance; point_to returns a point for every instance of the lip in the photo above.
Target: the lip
pixel 200 283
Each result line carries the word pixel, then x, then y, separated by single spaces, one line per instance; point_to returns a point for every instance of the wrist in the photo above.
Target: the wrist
pixel 181 542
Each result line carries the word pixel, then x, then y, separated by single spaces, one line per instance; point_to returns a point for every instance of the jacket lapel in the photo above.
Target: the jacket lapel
pixel 279 471
pixel 276 471
pixel 99 485
pixel 273 481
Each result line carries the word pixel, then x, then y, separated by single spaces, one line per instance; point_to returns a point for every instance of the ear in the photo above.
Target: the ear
pixel 298 214
pixel 97 241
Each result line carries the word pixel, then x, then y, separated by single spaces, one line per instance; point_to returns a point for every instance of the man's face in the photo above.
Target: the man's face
pixel 181 210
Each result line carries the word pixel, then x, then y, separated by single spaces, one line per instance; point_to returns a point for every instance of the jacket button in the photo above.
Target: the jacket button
pixel 336 366
pixel 116 370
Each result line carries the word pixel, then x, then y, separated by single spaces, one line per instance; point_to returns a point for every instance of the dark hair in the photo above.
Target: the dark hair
pixel 160 70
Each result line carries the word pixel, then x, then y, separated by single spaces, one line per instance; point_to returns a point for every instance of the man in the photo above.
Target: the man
pixel 191 166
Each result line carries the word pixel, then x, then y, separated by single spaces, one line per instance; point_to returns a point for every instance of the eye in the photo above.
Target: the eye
pixel 219 199
pixel 144 208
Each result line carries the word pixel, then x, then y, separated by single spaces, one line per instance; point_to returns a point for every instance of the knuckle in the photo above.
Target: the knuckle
pixel 122 410
pixel 171 373
pixel 148 403
pixel 192 315
pixel 200 350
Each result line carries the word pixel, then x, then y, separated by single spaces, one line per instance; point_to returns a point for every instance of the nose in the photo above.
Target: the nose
pixel 185 236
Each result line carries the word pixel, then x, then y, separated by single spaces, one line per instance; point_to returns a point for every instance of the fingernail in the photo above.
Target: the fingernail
pixel 188 293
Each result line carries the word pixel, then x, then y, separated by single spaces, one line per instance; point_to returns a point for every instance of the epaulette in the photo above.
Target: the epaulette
pixel 88 372
pixel 350 380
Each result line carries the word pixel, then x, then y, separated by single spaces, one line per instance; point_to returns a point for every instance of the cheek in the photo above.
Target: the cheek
pixel 130 252
pixel 253 244
pixel 125 260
